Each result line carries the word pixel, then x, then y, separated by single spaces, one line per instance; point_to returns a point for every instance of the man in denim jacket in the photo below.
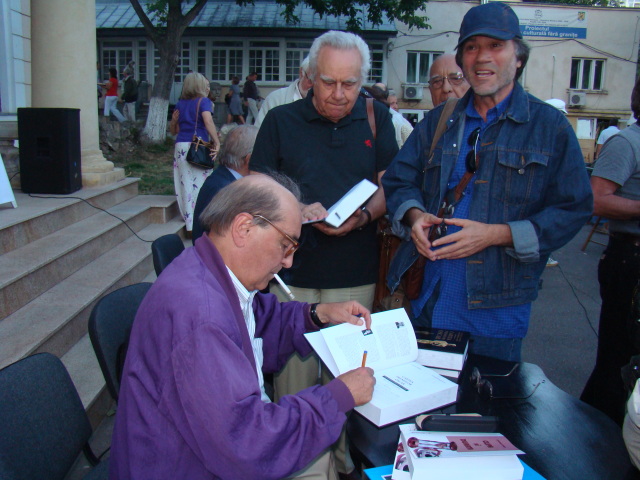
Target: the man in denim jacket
pixel 529 193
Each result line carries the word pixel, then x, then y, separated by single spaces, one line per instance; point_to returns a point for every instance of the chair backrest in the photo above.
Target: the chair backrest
pixel 43 423
pixel 164 249
pixel 109 329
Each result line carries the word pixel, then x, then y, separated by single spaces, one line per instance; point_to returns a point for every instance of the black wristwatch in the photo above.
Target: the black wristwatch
pixel 368 214
pixel 314 316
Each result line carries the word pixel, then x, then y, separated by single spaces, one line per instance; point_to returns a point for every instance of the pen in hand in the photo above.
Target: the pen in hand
pixel 364 359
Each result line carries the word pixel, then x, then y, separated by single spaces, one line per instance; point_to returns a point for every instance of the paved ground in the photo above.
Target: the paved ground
pixel 562 336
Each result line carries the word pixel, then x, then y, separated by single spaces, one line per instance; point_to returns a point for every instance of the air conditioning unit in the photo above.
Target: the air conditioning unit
pixel 577 99
pixel 412 91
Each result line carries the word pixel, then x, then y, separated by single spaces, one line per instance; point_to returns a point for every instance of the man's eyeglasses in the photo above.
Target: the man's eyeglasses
pixel 471 162
pixel 485 388
pixel 294 243
pixel 454 79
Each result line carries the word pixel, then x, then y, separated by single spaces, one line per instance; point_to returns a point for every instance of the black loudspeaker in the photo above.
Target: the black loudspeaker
pixel 49 150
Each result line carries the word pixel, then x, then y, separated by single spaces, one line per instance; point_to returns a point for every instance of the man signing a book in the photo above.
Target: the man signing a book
pixel 192 402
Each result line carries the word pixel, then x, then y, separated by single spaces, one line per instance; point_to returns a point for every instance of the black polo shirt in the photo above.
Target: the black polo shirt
pixel 327 159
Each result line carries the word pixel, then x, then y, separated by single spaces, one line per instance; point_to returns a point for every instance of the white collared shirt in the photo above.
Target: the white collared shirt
pixel 246 304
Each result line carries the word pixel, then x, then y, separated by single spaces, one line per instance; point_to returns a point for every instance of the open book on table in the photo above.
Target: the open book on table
pixel 403 387
pixel 348 204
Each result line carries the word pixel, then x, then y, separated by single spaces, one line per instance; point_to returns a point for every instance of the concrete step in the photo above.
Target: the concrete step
pixel 57 319
pixel 33 269
pixel 83 367
pixel 36 216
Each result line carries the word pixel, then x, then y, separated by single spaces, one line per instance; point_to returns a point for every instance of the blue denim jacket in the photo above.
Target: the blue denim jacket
pixel 531 176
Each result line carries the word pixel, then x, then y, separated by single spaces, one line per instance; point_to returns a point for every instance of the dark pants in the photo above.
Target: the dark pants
pixel 618 273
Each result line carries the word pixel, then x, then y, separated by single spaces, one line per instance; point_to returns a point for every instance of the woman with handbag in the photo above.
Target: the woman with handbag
pixel 192 123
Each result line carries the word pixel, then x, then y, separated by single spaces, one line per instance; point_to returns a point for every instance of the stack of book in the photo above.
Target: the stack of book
pixel 455 456
pixel 443 351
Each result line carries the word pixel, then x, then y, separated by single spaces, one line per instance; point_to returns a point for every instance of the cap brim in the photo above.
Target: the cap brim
pixel 488 32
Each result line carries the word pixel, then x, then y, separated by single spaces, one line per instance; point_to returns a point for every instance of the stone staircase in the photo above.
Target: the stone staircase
pixel 58 256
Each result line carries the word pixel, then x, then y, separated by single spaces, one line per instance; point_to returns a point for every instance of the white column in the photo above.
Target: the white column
pixel 63 53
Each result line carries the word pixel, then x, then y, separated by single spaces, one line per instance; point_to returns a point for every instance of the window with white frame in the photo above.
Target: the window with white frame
pixel 115 55
pixel 294 55
pixel 201 58
pixel 226 60
pixel 377 62
pixel 418 65
pixel 184 65
pixel 142 61
pixel 264 58
pixel 587 74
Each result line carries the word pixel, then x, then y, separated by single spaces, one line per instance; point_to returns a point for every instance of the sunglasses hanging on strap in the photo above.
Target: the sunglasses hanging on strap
pixel 453 196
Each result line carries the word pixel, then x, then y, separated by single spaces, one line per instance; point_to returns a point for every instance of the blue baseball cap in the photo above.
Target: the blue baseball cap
pixel 494 19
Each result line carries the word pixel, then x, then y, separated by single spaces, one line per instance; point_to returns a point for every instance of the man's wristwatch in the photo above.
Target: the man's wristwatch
pixel 314 316
pixel 368 214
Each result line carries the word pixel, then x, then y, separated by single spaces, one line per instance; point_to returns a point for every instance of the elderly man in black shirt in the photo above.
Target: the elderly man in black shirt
pixel 325 143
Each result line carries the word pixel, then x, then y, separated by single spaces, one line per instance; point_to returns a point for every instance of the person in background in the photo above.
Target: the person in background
pixel 129 93
pixel 402 126
pixel 235 103
pixel 233 163
pixel 393 100
pixel 526 194
pixel 192 401
pixel 446 80
pixel 251 97
pixel 612 129
pixel 631 426
pixel 111 97
pixel 296 91
pixel 616 191
pixel 325 143
pixel 192 111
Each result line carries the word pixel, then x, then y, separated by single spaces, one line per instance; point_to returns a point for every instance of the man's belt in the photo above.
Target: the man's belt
pixel 627 238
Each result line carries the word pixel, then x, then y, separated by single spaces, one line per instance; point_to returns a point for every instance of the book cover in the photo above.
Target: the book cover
pixel 460 456
pixel 441 348
pixel 403 388
pixel 400 468
pixel 350 202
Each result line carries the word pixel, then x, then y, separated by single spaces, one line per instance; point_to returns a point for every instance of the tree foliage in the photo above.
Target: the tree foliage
pixel 166 20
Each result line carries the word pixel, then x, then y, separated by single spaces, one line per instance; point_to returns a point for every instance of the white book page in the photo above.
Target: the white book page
pixel 391 341
pixel 320 346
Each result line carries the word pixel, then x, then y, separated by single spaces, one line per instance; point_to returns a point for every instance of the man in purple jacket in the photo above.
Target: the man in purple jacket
pixel 192 401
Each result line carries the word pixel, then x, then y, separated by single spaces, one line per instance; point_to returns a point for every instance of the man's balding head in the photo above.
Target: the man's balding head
pixel 255 224
pixel 253 194
pixel 443 77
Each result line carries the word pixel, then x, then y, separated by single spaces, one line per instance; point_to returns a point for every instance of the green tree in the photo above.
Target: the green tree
pixel 166 20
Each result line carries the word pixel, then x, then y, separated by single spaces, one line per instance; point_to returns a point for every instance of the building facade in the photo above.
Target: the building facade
pixel 576 56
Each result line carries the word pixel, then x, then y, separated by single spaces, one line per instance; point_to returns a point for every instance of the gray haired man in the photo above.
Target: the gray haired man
pixel 326 144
